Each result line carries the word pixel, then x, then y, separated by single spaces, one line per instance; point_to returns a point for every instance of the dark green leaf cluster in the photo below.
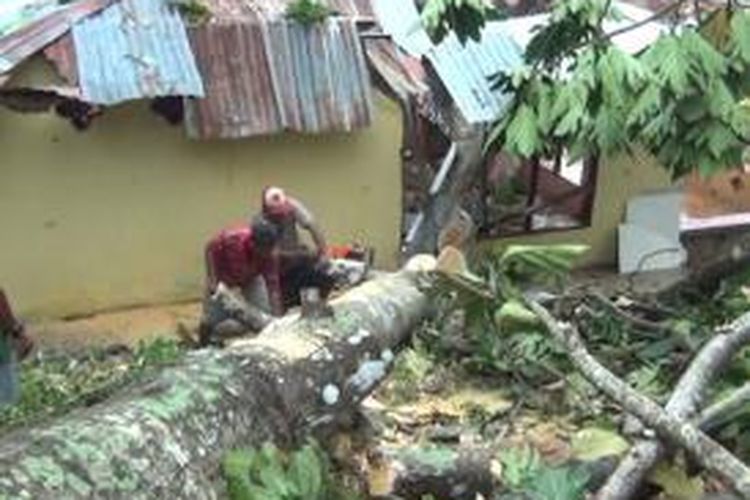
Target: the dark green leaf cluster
pixel 465 18
pixel 572 24
pixel 505 336
pixel 529 478
pixel 682 98
pixel 268 473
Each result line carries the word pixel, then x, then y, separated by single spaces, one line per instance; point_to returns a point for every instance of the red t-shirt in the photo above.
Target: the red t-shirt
pixel 231 259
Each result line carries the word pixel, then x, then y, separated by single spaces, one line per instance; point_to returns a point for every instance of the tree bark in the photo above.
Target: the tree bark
pixel 165 438
pixel 684 405
pixel 461 472
pixel 711 416
pixel 704 450
pixel 445 204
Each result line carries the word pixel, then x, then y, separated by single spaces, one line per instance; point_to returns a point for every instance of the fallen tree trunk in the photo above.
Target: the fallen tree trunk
pixel 165 438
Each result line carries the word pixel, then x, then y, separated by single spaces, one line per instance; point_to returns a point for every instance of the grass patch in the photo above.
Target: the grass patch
pixel 53 384
pixel 268 472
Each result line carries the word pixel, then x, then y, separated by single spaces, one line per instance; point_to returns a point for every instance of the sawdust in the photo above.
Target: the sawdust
pixel 126 327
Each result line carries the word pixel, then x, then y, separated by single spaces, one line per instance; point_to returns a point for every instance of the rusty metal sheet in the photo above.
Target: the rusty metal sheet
pixel 240 100
pixel 135 49
pixel 24 42
pixel 267 77
pixel 323 75
pixel 393 68
pixel 62 54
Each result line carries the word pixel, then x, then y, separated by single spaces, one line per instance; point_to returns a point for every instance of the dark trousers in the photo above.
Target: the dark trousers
pixel 303 271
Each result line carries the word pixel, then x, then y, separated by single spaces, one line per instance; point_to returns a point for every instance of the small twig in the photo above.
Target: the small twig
pixel 631 318
pixel 664 12
pixel 711 416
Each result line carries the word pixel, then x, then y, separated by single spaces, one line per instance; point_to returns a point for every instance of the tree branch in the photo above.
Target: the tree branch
pixel 631 318
pixel 705 451
pixel 684 404
pixel 711 416
pixel 664 12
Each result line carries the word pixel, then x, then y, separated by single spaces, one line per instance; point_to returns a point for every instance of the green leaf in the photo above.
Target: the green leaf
pixel 740 121
pixel 704 59
pixel 675 482
pixel 692 109
pixel 546 99
pixel 513 314
pixel 305 472
pixel 236 468
pixel 623 67
pixel 464 17
pixel 570 123
pixel 721 102
pixel 669 61
pixel 740 35
pixel 561 483
pixel 719 138
pixel 594 443
pixel 707 165
pixel 555 259
pixel 647 103
pixel 519 465
pixel 609 130
pixel 522 136
pixel 497 134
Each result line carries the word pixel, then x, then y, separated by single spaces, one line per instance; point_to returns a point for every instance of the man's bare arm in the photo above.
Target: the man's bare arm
pixel 306 219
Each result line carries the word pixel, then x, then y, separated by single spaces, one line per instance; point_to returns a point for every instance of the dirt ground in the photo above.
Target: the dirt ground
pixel 126 327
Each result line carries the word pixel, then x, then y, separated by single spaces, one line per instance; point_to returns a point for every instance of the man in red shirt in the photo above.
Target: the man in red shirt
pixel 243 287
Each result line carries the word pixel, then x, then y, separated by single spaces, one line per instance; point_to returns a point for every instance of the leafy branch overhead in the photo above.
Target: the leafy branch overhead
pixel 464 17
pixel 683 98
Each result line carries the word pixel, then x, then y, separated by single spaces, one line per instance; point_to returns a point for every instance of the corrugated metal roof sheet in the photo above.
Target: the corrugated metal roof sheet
pixel 467 70
pixel 400 19
pixel 135 49
pixel 274 10
pixel 393 67
pixel 15 14
pixel 62 54
pixel 26 41
pixel 464 70
pixel 266 77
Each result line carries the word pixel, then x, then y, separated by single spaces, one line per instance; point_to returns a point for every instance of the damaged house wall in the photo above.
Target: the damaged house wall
pixel 118 215
pixel 620 178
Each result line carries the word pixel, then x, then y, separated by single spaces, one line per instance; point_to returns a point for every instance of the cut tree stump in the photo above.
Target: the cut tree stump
pixel 165 438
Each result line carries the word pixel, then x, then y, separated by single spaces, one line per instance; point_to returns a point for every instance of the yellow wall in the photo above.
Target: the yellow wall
pixel 118 215
pixel 620 179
